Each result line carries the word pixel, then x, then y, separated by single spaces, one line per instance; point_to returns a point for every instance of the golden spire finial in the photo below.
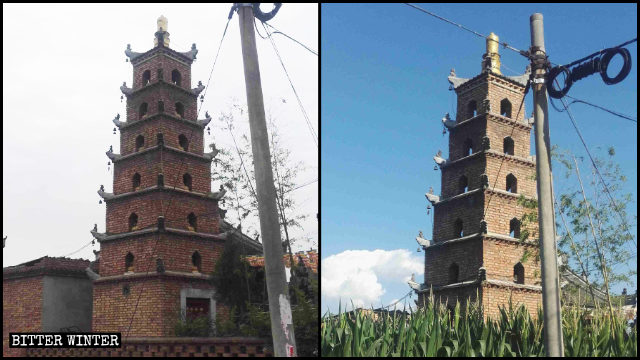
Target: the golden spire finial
pixel 491 60
pixel 163 23
pixel 163 27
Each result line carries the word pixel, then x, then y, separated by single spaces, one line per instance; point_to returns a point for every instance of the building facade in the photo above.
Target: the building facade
pixel 475 252
pixel 164 228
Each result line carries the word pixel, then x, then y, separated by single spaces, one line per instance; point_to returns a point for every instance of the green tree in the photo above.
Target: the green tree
pixel 593 234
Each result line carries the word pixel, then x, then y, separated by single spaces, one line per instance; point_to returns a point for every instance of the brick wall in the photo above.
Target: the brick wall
pixel 450 296
pixel 501 256
pixel 174 250
pixel 467 255
pixel 171 130
pixel 157 311
pixel 165 93
pixel 167 65
pixel 472 168
pixel 21 309
pixel 524 173
pixel 493 296
pixel 468 208
pixel 148 206
pixel 173 166
pixel 170 347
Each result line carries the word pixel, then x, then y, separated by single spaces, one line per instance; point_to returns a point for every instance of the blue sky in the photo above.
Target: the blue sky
pixel 384 90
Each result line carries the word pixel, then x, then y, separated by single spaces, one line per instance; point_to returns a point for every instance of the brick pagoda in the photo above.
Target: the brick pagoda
pixel 164 229
pixel 475 247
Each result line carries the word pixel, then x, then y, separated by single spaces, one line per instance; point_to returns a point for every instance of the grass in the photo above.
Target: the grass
pixel 435 331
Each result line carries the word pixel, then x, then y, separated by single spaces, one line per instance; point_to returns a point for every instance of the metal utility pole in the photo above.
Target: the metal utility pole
pixel 279 306
pixel 550 283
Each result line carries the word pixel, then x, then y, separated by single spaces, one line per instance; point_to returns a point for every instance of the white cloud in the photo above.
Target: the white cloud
pixel 358 275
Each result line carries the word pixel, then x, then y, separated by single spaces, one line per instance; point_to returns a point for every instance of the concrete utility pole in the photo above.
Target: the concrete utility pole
pixel 550 282
pixel 279 306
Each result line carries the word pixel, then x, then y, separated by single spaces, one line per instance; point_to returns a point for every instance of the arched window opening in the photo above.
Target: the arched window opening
pixel 133 222
pixel 508 145
pixel 146 77
pixel 136 182
pixel 180 109
pixel 128 262
pixel 514 228
pixel 193 225
pixel 160 76
pixel 505 108
pixel 454 271
pixel 143 110
pixel 472 108
pixel 176 78
pixel 467 148
pixel 160 106
pixel 463 185
pixel 139 142
pixel 186 179
pixel 458 229
pixel 512 184
pixel 196 261
pixel 518 273
pixel 183 142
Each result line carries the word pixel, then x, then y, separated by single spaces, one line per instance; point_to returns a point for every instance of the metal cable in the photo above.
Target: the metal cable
pixel 504 44
pixel 304 112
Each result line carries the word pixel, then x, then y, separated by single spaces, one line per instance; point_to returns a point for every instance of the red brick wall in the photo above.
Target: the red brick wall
pixel 171 130
pixel 501 256
pixel 170 347
pixel 148 206
pixel 450 296
pixel 166 94
pixel 175 165
pixel 157 311
pixel 468 208
pixel 21 309
pixel 167 65
pixel 174 250
pixel 467 255
pixel 493 296
pixel 501 210
pixel 474 131
pixel 524 174
pixel 472 168
pixel 499 128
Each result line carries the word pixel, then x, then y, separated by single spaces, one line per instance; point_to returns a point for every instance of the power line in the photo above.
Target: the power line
pixel 299 43
pixel 575 100
pixel 504 44
pixel 89 243
pixel 599 52
pixel 304 113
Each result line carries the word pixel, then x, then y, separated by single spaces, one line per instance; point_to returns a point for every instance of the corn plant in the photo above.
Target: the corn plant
pixel 433 330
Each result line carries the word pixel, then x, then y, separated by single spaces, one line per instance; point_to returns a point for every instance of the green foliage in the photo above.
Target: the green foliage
pixel 435 331
pixel 201 326
pixel 596 215
pixel 228 326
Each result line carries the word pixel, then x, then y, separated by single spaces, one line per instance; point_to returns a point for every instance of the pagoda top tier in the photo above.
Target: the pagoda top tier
pixel 161 41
